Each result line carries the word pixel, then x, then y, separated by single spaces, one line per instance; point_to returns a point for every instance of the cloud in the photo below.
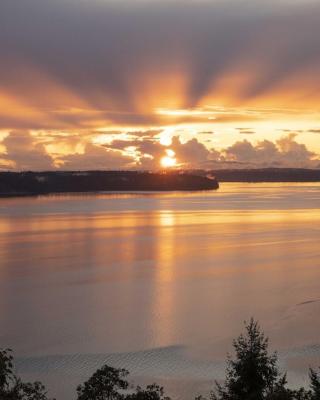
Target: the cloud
pixel 193 154
pixel 115 61
pixel 21 150
pixel 96 157
pixel 286 152
pixel 296 153
pixel 24 152
pixel 189 154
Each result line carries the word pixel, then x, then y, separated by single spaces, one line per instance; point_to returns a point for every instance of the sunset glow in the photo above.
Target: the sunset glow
pixel 169 160
pixel 159 186
pixel 213 79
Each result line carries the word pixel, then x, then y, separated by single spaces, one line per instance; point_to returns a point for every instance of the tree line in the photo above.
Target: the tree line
pixel 251 374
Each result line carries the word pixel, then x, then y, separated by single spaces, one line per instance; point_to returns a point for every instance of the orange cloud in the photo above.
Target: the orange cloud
pixel 71 71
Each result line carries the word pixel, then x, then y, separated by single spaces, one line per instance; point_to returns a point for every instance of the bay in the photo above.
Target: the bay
pixel 159 283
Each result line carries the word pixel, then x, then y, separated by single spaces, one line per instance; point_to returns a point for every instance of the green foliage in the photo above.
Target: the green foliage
pixel 106 383
pixel 301 394
pixel 11 387
pixel 280 392
pixel 253 373
pixel 314 384
pixel 109 383
pixel 151 392
pixel 6 369
pixel 27 391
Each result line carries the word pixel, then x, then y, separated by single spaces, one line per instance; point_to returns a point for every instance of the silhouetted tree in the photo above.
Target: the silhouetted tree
pixel 151 392
pixel 105 384
pixel 301 394
pixel 314 384
pixel 11 387
pixel 280 392
pixel 27 391
pixel 253 374
pixel 109 383
pixel 6 370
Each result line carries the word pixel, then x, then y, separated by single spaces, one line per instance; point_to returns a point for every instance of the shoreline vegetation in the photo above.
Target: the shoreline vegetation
pixel 251 374
pixel 267 175
pixel 32 183
pixel 38 183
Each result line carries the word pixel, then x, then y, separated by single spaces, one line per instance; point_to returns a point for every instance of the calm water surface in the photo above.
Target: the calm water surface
pixel 159 283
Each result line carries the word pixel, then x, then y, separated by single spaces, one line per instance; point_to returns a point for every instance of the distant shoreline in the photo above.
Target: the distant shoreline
pixel 21 184
pixel 31 183
pixel 260 175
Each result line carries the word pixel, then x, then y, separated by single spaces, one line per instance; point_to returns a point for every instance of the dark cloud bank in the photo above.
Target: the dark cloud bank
pixel 102 51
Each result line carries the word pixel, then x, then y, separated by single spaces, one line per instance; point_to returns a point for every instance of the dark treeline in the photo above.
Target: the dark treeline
pixel 252 374
pixel 28 183
pixel 268 175
pixel 33 183
pixel 253 175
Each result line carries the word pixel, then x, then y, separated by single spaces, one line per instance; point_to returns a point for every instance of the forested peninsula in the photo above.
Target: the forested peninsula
pixel 36 183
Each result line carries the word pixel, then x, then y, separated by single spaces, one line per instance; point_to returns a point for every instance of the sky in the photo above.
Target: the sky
pixel 150 84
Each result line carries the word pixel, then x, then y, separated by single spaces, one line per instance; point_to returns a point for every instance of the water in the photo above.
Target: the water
pixel 159 283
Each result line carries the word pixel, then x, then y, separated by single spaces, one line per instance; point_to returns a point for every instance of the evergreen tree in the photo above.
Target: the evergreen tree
pixel 314 384
pixel 253 373
pixel 6 371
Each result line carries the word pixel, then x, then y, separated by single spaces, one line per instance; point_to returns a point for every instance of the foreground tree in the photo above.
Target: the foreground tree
pixel 253 373
pixel 281 392
pixel 109 383
pixel 11 387
pixel 106 383
pixel 151 392
pixel 314 384
pixel 6 371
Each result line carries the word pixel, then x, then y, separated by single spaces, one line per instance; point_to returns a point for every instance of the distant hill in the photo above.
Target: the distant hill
pixel 267 175
pixel 32 183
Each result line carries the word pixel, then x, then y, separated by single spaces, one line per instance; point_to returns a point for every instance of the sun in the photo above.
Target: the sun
pixel 169 160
